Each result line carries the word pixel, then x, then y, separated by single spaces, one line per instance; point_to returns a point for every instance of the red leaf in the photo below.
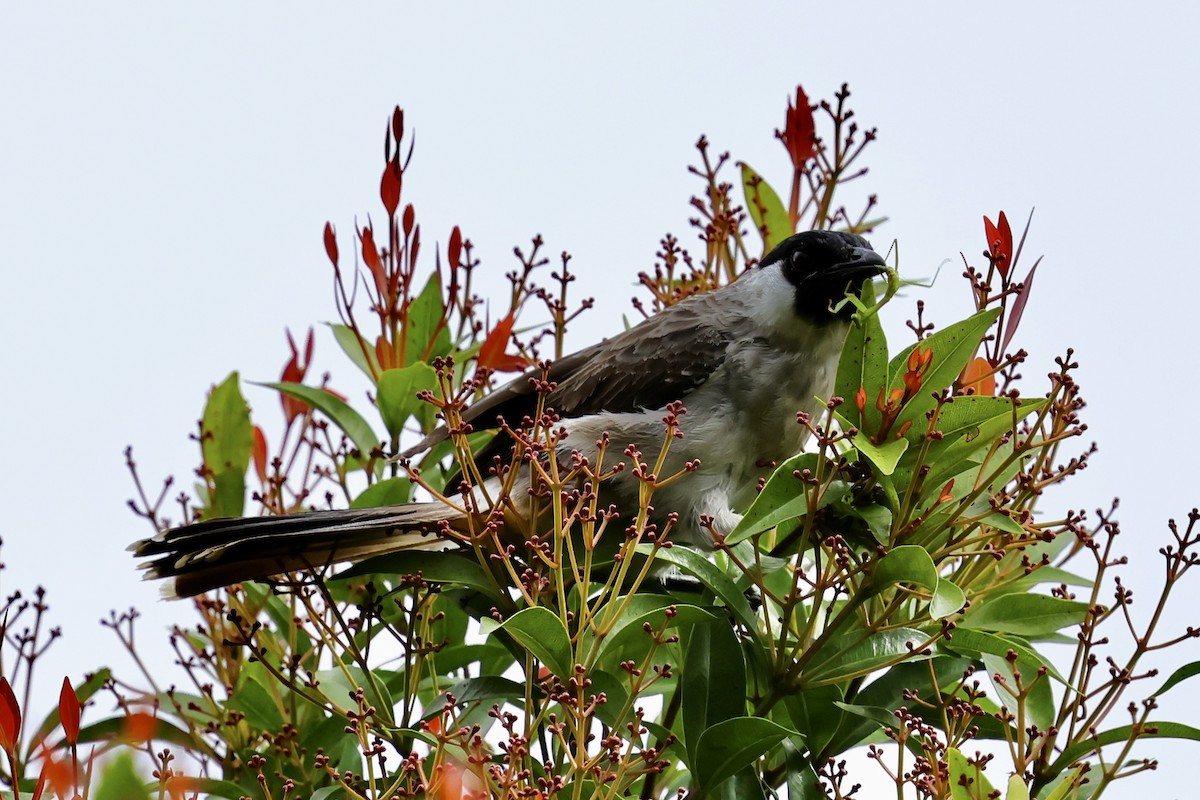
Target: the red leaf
pixel 10 717
pixel 371 257
pixel 999 243
pixel 946 492
pixel 1018 308
pixel 398 125
pixel 799 134
pixel 68 711
pixel 409 219
pixel 389 186
pixel 491 353
pixel 259 452
pixel 293 372
pixel 455 249
pixel 331 244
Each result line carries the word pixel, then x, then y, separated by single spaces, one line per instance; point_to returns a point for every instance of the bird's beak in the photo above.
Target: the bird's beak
pixel 863 263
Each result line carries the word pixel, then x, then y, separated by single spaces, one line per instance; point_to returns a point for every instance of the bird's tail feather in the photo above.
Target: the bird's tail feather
pixel 214 553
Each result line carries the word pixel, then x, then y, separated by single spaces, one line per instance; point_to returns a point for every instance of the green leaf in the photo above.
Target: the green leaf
pixel 253 700
pixel 349 421
pixel 227 790
pixel 114 728
pixel 974 643
pixel 1037 703
pixel 486 687
pixel 397 397
pixel 1017 790
pixel 729 746
pixel 865 655
pixel 425 335
pixel 543 634
pixel 884 456
pixel 388 492
pixel 766 209
pixel 348 341
pixel 1024 614
pixel 1178 676
pixel 712 682
pixel 966 780
pixel 863 364
pixel 637 611
pixel 1066 786
pixel 226 444
pixel 704 570
pixel 783 497
pixel 1163 730
pixel 904 564
pixel 814 712
pixel 802 780
pixel 119 781
pixel 952 348
pixel 947 599
pixel 447 566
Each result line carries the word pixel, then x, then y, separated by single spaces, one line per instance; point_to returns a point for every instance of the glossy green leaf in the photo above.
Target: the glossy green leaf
pixel 1178 676
pixel 1017 790
pixel 119 780
pixel 425 334
pixel 1037 704
pixel 865 655
pixel 884 456
pixel 729 746
pixel 387 492
pixel 905 564
pixel 863 364
pixel 704 570
pixel 226 445
pixel 802 780
pixel 446 566
pixel 1067 787
pixel 543 634
pixel 1120 735
pixel 114 728
pixel 766 209
pixel 814 712
pixel 639 610
pixel 712 682
pixel 397 395
pixel 782 498
pixel 1024 614
pixel 348 341
pixel 253 700
pixel 482 689
pixel 948 599
pixel 966 780
pixel 974 643
pixel 952 348
pixel 349 421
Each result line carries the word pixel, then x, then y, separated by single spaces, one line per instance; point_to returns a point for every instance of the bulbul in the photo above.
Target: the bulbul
pixel 743 359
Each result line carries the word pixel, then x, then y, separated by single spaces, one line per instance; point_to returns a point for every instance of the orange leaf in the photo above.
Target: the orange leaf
pixel 799 130
pixel 139 726
pixel 10 717
pixel 69 712
pixel 491 353
pixel 371 258
pixel 259 452
pixel 978 378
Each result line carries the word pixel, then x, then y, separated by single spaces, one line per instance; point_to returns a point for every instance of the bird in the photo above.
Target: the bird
pixel 742 359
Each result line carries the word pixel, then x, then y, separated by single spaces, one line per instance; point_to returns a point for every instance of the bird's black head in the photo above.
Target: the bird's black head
pixel 823 266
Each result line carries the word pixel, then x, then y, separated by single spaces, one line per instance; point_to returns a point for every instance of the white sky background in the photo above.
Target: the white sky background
pixel 166 170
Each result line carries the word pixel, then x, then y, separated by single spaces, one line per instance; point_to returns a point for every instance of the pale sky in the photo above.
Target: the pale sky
pixel 166 170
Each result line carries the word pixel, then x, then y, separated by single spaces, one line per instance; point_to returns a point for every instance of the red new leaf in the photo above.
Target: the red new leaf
pixel 410 217
pixel 258 451
pixel 1000 243
pixel 799 134
pixel 371 258
pixel 69 712
pixel 389 186
pixel 10 717
pixel 331 244
pixel 492 355
pixel 455 248
pixel 294 372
